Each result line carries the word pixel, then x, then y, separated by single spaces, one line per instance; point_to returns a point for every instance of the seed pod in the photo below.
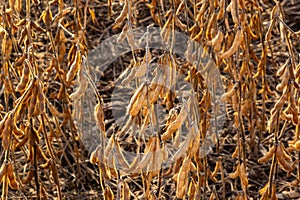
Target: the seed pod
pixel 99 116
pixel 123 13
pixel 243 175
pixel 157 157
pixel 28 177
pixel 109 147
pixel 165 31
pixel 180 7
pixel 283 158
pixel 216 42
pixel 6 134
pixel 217 167
pixel 83 84
pixel 165 153
pixel 196 141
pixel 283 68
pixel 74 67
pixel 137 100
pixel 54 111
pixel 297 145
pixel 182 178
pixel 129 77
pixel 244 68
pixel 156 88
pixel 11 177
pixel 54 173
pixel 179 23
pixel 126 191
pixel 268 155
pixel 148 153
pixel 108 194
pixel 184 147
pixel 17 131
pixel 96 155
pixel 236 173
pixel 41 100
pixel 131 40
pixel 122 35
pixel 24 79
pixel 192 190
pixel 22 142
pixel 3 171
pixel 238 39
pixel 230 92
pixel 251 33
pixel 212 21
pixel 234 10
pixel 285 154
pixel 175 124
pixel 281 101
pixel 269 31
pixel 235 153
pixel 120 157
pixel 284 81
pixel 201 11
pixel 221 10
pixel 142 69
pixel 264 192
pixel 33 99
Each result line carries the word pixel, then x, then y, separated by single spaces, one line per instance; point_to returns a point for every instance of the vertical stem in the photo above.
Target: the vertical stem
pixel 36 176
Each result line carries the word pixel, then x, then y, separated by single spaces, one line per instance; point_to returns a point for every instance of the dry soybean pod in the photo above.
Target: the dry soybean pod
pixel 83 84
pixel 286 156
pixel 148 153
pixel 196 141
pixel 40 105
pixel 183 149
pixel 24 79
pixel 142 69
pixel 41 99
pixel 285 79
pixel 230 92
pixel 243 175
pixel 219 42
pixel 3 170
pixel 120 157
pixel 212 21
pixel 234 10
pixel 109 147
pixel 28 177
pixel 175 124
pixel 11 177
pixel 33 99
pixel 268 155
pixel 99 116
pixel 139 102
pixel 135 97
pixel 239 37
pixel 201 11
pixel 74 67
pixel 123 13
pixel 236 173
pixel 285 165
pixel 182 178
pixel 221 10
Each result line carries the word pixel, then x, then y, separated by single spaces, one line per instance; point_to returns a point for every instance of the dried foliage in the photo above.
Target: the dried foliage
pixel 45 76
